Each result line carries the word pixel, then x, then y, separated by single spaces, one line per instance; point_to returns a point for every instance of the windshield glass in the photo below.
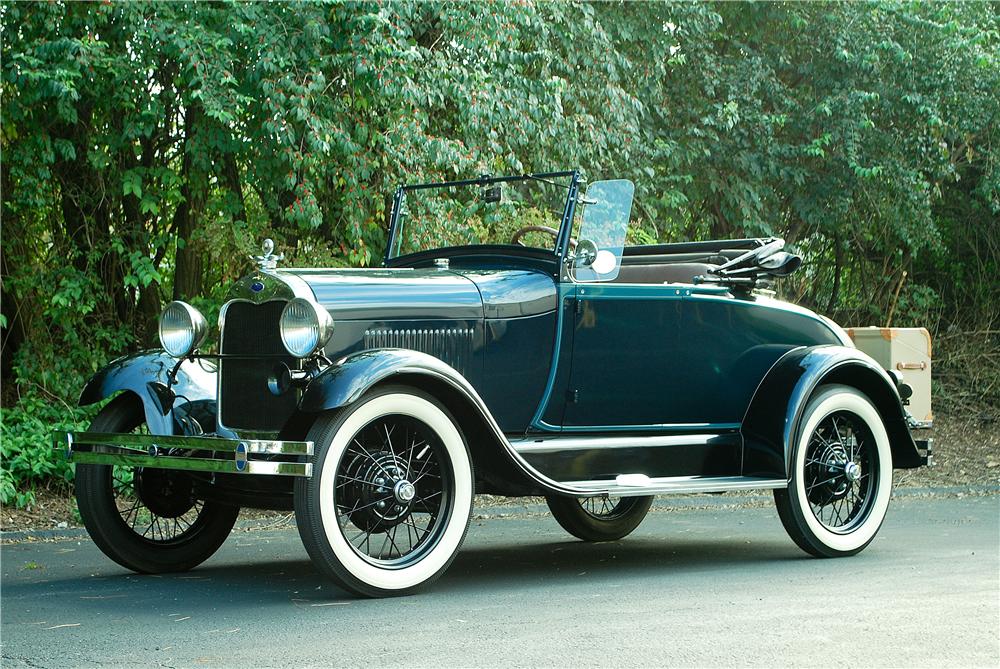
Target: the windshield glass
pixel 600 239
pixel 524 211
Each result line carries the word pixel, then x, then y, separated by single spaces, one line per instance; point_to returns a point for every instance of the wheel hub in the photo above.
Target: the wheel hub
pixel 166 493
pixel 833 464
pixel 377 494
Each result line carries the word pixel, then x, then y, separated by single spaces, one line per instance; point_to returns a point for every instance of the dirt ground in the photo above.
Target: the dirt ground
pixel 966 453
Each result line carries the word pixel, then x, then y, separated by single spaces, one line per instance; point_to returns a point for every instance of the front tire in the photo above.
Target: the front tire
pixel 841 475
pixel 147 520
pixel 390 498
pixel 599 518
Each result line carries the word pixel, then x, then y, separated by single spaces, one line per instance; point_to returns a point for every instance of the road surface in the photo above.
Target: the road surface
pixel 713 586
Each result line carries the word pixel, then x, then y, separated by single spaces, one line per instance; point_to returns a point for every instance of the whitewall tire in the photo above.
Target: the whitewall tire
pixel 390 498
pixel 841 475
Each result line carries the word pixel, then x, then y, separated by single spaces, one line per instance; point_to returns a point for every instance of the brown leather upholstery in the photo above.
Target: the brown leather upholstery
pixel 662 273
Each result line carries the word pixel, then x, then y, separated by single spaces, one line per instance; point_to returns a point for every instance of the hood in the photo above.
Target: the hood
pixel 392 294
pixel 419 294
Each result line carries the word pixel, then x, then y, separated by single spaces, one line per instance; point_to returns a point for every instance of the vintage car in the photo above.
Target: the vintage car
pixel 511 344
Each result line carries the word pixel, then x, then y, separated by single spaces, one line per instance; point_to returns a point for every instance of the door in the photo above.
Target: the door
pixel 684 356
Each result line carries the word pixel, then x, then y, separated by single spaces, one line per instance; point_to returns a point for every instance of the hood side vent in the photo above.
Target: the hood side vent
pixel 452 345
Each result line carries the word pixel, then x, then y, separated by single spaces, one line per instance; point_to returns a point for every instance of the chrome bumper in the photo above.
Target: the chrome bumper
pixel 202 454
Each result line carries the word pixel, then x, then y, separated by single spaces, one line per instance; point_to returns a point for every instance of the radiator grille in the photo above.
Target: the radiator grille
pixel 452 345
pixel 244 399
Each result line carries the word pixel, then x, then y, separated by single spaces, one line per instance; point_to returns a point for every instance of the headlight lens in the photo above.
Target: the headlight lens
pixel 305 327
pixel 182 329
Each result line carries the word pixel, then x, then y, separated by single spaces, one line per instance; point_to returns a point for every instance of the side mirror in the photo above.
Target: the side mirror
pixel 780 263
pixel 586 253
pixel 492 195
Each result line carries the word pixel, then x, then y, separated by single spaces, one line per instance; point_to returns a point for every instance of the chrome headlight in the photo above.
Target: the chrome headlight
pixel 182 329
pixel 305 327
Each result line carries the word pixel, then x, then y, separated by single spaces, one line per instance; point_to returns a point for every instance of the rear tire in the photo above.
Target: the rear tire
pixel 841 475
pixel 389 502
pixel 599 518
pixel 117 506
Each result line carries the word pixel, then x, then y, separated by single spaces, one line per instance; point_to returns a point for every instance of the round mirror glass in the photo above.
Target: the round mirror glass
pixel 605 262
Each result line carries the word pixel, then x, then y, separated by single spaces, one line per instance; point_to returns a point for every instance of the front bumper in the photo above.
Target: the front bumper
pixel 202 454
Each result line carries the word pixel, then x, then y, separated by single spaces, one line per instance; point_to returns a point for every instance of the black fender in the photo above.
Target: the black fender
pixel 771 424
pixel 167 406
pixel 495 459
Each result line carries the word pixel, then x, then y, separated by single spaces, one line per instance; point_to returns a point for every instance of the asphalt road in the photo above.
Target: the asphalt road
pixel 690 587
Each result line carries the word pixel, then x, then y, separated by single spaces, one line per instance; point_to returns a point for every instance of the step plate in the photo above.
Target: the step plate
pixel 637 485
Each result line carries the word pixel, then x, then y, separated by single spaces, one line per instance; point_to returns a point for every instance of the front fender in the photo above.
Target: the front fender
pixel 346 381
pixel 771 425
pixel 343 383
pixel 147 375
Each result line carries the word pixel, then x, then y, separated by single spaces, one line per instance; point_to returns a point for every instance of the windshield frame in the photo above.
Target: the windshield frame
pixel 565 225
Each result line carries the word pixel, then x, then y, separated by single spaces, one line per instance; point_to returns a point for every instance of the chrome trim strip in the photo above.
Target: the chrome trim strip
pixel 563 292
pixel 657 427
pixel 675 484
pixel 560 444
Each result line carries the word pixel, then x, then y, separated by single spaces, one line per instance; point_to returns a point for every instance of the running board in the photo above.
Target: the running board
pixel 671 457
pixel 637 485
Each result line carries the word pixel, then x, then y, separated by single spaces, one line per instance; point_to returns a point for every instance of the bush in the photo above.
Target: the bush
pixel 28 459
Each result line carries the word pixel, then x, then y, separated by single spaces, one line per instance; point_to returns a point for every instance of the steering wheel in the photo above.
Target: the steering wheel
pixel 516 237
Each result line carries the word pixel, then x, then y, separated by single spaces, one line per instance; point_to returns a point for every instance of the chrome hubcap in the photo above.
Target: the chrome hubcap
pixel 404 492
pixel 852 471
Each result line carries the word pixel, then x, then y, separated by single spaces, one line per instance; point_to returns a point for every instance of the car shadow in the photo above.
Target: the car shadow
pixel 479 567
pixel 278 581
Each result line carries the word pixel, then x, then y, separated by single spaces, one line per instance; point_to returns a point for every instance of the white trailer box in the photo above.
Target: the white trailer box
pixel 905 350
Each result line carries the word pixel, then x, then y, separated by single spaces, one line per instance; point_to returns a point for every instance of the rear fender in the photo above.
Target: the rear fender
pixel 771 424
pixel 169 408
pixel 495 459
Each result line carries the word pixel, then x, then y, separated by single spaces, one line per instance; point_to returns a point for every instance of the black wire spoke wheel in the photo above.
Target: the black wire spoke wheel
pixel 390 498
pixel 601 518
pixel 157 504
pixel 840 474
pixel 392 490
pixel 147 520
pixel 605 507
pixel 839 465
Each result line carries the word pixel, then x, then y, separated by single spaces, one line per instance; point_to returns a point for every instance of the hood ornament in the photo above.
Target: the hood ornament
pixel 268 260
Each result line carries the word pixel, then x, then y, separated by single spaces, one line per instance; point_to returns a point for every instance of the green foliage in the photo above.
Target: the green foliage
pixel 148 147
pixel 26 447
